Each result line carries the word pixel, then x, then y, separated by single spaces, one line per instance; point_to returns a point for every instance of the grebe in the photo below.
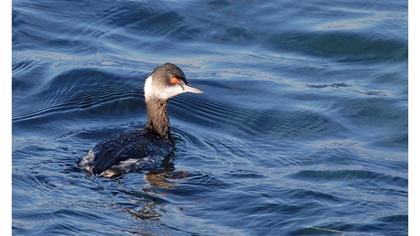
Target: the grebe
pixel 136 149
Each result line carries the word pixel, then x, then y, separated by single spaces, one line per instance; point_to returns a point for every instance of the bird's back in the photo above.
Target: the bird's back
pixel 136 150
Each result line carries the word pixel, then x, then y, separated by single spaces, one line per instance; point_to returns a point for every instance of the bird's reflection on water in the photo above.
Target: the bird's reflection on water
pixel 156 181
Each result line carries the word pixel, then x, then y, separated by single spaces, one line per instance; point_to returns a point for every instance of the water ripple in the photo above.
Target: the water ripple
pixel 301 129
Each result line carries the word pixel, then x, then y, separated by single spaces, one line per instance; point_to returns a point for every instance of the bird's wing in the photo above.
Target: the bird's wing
pixel 120 148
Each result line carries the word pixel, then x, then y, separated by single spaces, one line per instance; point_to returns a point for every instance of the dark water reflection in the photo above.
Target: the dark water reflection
pixel 302 128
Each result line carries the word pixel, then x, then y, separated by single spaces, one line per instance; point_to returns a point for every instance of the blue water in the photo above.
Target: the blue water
pixel 302 129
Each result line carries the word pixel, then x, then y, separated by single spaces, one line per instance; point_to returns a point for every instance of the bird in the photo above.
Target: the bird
pixel 139 148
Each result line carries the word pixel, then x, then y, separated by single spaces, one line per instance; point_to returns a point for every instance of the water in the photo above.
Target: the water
pixel 302 128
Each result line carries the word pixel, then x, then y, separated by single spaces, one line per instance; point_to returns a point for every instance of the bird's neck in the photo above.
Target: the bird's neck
pixel 158 119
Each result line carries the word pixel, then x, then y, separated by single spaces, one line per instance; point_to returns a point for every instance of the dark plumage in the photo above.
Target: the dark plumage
pixel 127 152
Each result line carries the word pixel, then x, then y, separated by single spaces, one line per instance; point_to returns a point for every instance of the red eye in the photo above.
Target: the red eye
pixel 174 80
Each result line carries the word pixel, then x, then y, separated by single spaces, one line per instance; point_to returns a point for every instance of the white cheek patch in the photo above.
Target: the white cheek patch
pixel 172 91
pixel 168 92
pixel 148 90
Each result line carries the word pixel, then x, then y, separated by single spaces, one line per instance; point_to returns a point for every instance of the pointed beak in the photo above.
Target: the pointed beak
pixel 190 89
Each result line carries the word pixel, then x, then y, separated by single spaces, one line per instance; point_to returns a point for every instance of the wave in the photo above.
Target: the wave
pixel 344 46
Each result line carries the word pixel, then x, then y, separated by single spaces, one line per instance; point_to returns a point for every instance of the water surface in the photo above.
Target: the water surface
pixel 302 129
